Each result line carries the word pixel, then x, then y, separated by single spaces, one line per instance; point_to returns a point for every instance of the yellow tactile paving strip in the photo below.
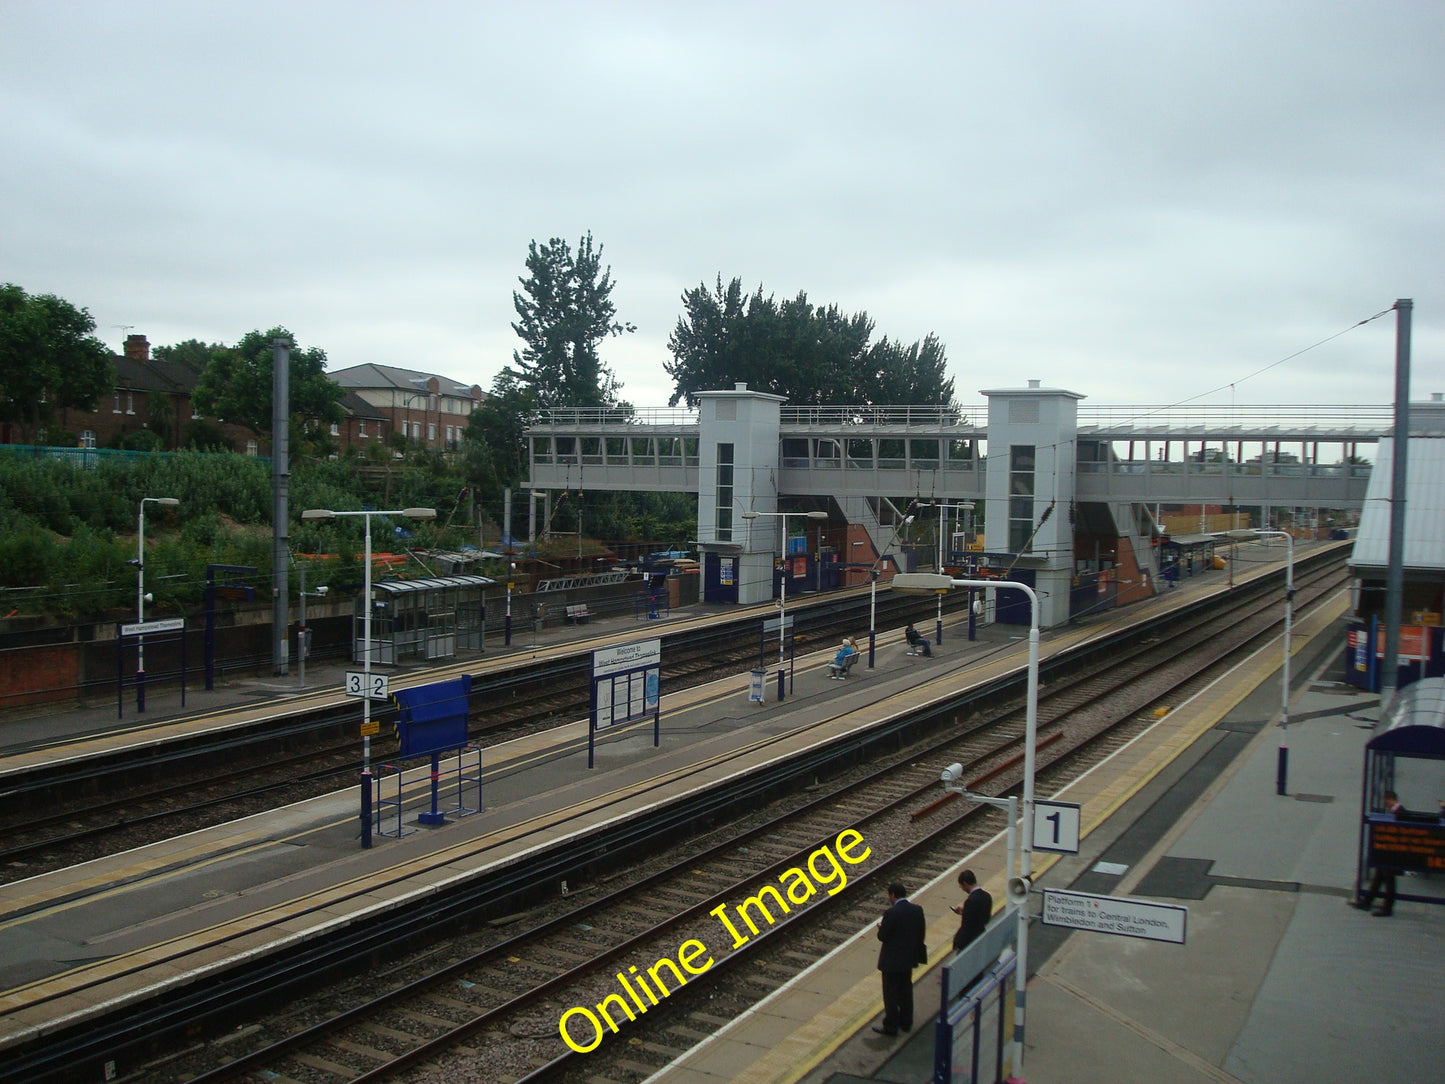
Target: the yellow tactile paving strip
pixel 787 1036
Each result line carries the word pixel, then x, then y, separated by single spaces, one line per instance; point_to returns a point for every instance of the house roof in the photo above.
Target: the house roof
pixel 132 374
pixel 357 407
pixel 1424 508
pixel 391 376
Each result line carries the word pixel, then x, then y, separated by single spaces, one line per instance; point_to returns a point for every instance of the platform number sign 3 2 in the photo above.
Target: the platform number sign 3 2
pixel 357 685
pixel 1056 827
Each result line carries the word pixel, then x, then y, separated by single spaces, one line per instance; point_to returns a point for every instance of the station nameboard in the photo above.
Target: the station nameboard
pixel 145 628
pixel 612 660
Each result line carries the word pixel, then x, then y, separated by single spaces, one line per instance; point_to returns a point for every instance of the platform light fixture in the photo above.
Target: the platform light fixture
pixel 873 591
pixel 313 514
pixel 783 590
pixel 1246 534
pixel 141 598
pixel 926 583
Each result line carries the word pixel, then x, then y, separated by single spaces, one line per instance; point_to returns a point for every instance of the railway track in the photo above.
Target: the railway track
pixel 51 819
pixel 455 1007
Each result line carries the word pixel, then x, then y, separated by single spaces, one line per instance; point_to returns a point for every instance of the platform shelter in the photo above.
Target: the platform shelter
pixel 431 618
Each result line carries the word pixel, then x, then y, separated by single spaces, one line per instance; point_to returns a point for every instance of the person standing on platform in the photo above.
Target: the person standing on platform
pixel 977 909
pixel 1383 881
pixel 902 932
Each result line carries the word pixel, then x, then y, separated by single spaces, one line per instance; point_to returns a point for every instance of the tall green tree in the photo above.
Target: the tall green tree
pixel 811 354
pixel 564 313
pixel 236 384
pixel 193 354
pixel 48 357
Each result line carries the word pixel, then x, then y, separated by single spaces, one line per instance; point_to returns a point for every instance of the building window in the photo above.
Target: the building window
pixel 87 438
pixel 1020 497
pixel 335 429
pixel 252 447
pixel 724 492
pixel 431 431
pixel 361 429
pixel 115 409
pixel 130 402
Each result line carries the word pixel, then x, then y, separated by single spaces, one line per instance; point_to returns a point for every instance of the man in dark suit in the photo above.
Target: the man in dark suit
pixel 901 931
pixel 976 910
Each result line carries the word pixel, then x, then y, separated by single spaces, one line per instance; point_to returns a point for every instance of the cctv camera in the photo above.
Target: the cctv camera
pixel 951 774
pixel 149 597
pixel 322 590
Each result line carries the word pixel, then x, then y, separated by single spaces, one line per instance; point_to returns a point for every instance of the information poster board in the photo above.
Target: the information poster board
pixel 626 688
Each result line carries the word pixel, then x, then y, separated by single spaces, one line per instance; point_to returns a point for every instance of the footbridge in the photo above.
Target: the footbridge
pixel 1064 488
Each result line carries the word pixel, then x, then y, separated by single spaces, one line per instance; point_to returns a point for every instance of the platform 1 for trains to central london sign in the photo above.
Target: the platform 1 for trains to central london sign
pixel 1115 914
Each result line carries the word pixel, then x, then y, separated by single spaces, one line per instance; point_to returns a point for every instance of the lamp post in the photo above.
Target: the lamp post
pixel 507 627
pixel 924 583
pixel 873 592
pixel 1281 775
pixel 302 643
pixel 783 590
pixel 366 620
pixel 140 596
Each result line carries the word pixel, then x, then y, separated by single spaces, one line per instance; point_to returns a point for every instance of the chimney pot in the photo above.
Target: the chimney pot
pixel 137 348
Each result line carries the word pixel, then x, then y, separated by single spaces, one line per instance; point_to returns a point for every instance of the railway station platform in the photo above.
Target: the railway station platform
pixel 1278 981
pixel 1273 895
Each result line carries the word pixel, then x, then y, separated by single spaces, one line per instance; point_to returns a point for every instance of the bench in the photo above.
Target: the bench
pixel 839 670
pixel 578 614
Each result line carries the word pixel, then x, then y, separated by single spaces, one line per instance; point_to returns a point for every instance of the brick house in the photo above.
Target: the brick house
pixel 155 394
pixel 430 409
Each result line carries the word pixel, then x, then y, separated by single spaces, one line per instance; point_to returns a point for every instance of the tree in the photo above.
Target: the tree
pixel 810 354
pixel 564 312
pixel 48 357
pixel 496 443
pixel 236 384
pixel 191 354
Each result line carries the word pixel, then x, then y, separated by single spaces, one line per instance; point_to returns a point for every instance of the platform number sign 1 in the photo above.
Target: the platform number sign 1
pixel 1056 827
pixel 357 685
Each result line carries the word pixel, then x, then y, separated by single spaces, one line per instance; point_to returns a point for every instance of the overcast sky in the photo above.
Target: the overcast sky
pixel 1141 202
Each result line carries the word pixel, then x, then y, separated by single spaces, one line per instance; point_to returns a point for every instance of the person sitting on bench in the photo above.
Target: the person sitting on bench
pixel 843 660
pixel 917 644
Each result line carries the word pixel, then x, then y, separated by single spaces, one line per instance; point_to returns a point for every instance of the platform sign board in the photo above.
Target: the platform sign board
pixel 357 684
pixel 626 688
pixel 1115 914
pixel 772 624
pixel 146 628
pixel 433 717
pixel 1056 826
pixel 433 720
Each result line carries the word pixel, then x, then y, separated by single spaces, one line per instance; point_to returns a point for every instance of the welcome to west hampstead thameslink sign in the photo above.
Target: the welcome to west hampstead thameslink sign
pixel 1114 914
pixel 145 628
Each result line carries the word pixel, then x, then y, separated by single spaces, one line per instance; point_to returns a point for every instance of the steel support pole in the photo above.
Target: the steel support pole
pixel 280 495
pixel 366 653
pixel 1395 573
pixel 140 610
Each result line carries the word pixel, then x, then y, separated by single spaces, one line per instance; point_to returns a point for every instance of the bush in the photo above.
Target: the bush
pixel 26 558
